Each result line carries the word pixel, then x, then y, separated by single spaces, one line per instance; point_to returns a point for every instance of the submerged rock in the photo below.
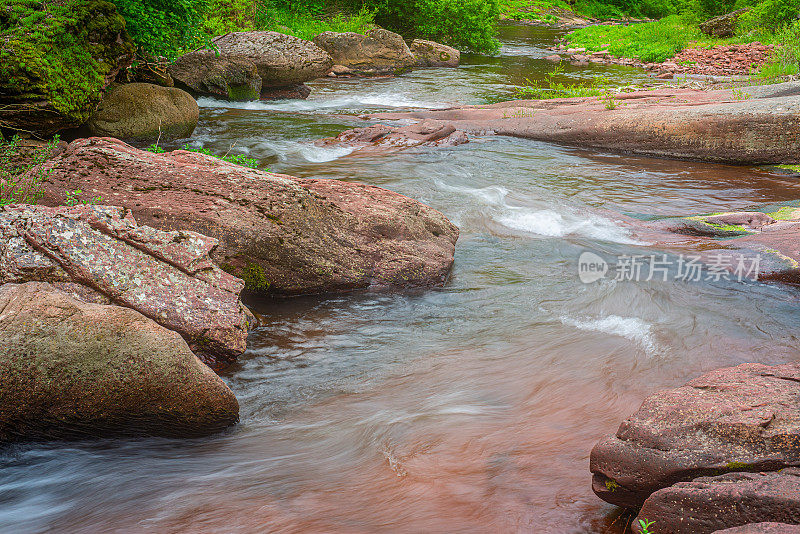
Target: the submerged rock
pixel 282 235
pixel 144 111
pixel 743 418
pixel 426 133
pixel 204 72
pixel 86 46
pixel 72 369
pixel 433 54
pixel 379 52
pixel 282 61
pixel 100 254
pixel 709 504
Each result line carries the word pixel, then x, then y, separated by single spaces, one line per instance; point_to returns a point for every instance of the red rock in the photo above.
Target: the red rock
pixel 282 235
pixel 669 122
pixel 709 504
pixel 762 528
pixel 103 255
pixel 743 418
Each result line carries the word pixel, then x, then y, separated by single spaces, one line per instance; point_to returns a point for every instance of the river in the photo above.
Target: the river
pixel 469 408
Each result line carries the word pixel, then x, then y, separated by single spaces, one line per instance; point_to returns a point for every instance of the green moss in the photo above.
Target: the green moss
pixel 254 277
pixel 785 213
pixel 722 230
pixel 60 51
pixel 794 168
pixel 738 466
pixel 242 93
pixel 611 485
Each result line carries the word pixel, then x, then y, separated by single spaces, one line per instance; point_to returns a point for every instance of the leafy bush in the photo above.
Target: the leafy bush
pixel 770 14
pixel 14 187
pixel 464 24
pixel 301 20
pixel 163 27
pixel 650 42
pixel 786 58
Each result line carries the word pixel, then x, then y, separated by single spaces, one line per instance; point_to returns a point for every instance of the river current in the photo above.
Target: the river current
pixel 468 408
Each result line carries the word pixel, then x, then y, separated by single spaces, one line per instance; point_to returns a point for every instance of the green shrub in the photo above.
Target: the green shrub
pixel 770 14
pixel 649 42
pixel 786 58
pixel 163 27
pixel 464 24
pixel 14 187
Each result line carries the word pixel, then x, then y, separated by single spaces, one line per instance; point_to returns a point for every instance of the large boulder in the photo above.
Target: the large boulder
pixel 433 54
pixel 144 111
pixel 378 52
pixel 282 235
pixel 100 254
pixel 204 72
pixel 709 504
pixel 86 45
pixel 724 25
pixel 73 369
pixel 744 418
pixel 282 61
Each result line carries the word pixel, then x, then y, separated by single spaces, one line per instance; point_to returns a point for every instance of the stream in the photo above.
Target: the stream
pixel 468 408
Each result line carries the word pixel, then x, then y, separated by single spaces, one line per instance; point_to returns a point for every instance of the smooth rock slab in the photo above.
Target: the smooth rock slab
pixel 708 504
pixel 167 276
pixel 744 418
pixel 671 123
pixel 73 370
pixel 282 235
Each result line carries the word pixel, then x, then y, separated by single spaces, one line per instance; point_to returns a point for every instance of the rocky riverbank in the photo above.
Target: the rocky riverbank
pixel 749 126
pixel 716 453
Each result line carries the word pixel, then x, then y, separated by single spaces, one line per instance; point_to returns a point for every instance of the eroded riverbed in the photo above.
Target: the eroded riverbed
pixel 470 408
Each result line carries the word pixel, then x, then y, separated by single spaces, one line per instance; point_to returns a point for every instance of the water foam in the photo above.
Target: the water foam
pixel 544 222
pixel 631 328
pixel 369 100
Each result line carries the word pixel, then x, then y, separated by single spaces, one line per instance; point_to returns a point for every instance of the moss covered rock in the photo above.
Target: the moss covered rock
pixel 56 57
pixel 72 369
pixel 144 111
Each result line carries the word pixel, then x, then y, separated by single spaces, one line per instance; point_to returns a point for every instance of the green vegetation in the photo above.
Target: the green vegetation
pixel 73 198
pixel 226 16
pixel 769 22
pixel 539 10
pixel 60 51
pixel 238 159
pixel 645 526
pixel 465 24
pixel 163 27
pixel 17 185
pixel 553 86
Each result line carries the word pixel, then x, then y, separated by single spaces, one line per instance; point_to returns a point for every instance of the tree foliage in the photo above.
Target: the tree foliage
pixel 163 27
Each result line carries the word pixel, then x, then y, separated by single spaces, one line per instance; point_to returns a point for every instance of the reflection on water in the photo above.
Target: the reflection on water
pixel 470 408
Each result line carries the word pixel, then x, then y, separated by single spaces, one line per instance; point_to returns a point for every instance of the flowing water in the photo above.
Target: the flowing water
pixel 470 408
